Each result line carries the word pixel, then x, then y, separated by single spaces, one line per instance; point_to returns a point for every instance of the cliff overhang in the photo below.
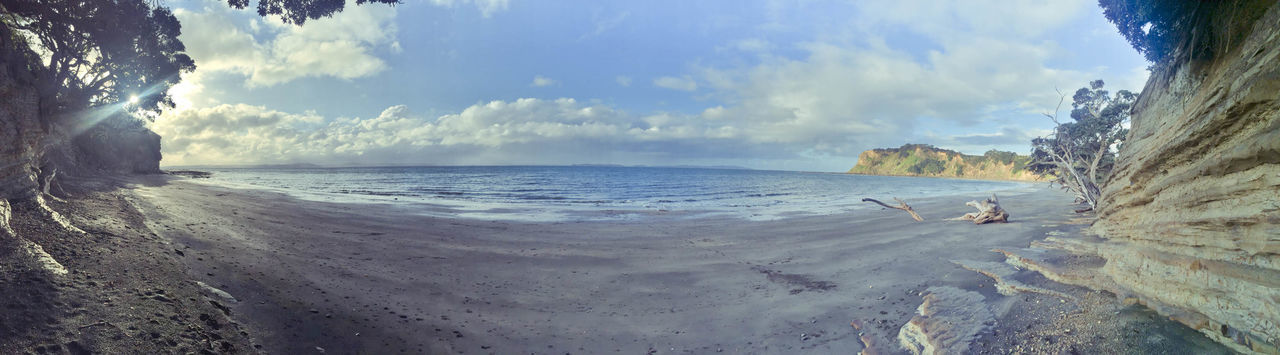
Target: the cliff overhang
pixel 1190 219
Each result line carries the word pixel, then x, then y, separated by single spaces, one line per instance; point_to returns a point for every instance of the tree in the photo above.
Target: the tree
pixel 299 11
pixel 97 53
pixel 1079 155
pixel 91 60
pixel 1159 28
pixel 100 52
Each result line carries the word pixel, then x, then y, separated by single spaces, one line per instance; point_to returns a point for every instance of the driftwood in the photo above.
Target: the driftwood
pixel 902 206
pixel 989 211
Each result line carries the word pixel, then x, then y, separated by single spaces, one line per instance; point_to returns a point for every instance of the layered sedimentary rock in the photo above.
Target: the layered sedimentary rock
pixel 946 322
pixel 1191 214
pixel 20 131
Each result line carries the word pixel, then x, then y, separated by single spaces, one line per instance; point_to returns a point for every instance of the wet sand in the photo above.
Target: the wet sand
pixel 371 278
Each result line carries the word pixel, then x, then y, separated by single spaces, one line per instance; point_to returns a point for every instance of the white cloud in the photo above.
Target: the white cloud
pixel 486 7
pixel 540 81
pixel 825 99
pixel 342 46
pixel 497 132
pixel 840 97
pixel 604 24
pixel 670 82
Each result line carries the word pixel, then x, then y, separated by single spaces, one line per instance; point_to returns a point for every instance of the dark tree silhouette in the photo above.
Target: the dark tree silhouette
pixel 299 11
pixel 92 60
pixel 100 52
pixel 1159 28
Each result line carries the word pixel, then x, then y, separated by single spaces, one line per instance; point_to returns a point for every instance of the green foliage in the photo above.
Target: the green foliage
pixel 1158 28
pixel 112 51
pixel 299 11
pixel 927 160
pixel 930 167
pixel 102 52
pixel 1020 163
pixel 1080 154
pixel 1001 157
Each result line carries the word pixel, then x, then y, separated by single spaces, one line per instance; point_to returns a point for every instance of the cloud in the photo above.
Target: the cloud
pixel 540 81
pixel 603 24
pixel 271 52
pixel 1006 136
pixel 670 82
pixel 819 101
pixel 839 96
pixel 486 7
pixel 523 131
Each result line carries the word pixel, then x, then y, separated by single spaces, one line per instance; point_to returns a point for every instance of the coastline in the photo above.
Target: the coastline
pixel 561 202
pixel 372 278
pixel 948 177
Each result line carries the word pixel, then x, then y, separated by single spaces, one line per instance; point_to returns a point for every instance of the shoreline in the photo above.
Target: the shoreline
pixel 368 278
pixel 949 177
pixel 256 271
pixel 609 210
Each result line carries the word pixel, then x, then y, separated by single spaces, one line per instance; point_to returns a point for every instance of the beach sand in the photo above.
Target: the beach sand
pixel 310 277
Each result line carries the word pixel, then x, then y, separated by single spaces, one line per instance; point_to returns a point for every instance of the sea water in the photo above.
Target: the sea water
pixel 558 193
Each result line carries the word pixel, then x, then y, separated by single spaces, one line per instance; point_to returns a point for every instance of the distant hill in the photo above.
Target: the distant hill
pixel 927 160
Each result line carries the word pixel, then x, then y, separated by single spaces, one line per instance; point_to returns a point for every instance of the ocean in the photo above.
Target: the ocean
pixel 562 193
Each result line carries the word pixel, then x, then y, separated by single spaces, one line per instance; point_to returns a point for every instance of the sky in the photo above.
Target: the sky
pixel 785 85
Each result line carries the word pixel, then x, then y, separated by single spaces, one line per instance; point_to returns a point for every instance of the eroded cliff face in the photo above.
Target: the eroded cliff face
pixel 34 150
pixel 929 161
pixel 20 131
pixel 1191 215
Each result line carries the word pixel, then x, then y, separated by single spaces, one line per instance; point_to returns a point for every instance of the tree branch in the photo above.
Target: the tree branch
pixel 902 206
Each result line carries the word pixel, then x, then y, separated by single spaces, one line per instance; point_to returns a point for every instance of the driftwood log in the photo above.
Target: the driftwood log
pixel 901 206
pixel 989 211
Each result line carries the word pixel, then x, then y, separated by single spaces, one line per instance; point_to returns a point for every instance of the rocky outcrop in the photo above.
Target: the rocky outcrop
pixel 930 161
pixel 946 322
pixel 1191 215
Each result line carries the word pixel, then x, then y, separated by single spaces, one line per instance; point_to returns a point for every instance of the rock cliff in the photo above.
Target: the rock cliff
pixel 927 160
pixel 1190 219
pixel 20 129
pixel 35 153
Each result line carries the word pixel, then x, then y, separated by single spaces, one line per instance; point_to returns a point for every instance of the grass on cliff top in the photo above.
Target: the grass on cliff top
pixel 925 159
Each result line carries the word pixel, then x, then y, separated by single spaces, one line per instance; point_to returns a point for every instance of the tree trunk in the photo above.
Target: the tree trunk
pixel 989 211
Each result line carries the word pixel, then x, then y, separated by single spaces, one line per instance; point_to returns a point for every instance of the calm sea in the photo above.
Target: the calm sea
pixel 557 193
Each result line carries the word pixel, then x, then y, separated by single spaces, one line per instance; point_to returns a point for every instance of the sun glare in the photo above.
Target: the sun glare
pixel 133 99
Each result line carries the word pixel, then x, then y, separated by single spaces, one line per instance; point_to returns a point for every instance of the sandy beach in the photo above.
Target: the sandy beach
pixel 169 265
pixel 371 278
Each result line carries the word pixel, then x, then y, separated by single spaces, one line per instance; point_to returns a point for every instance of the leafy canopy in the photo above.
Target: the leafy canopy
pixel 1158 28
pixel 101 52
pixel 299 11
pixel 1080 154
